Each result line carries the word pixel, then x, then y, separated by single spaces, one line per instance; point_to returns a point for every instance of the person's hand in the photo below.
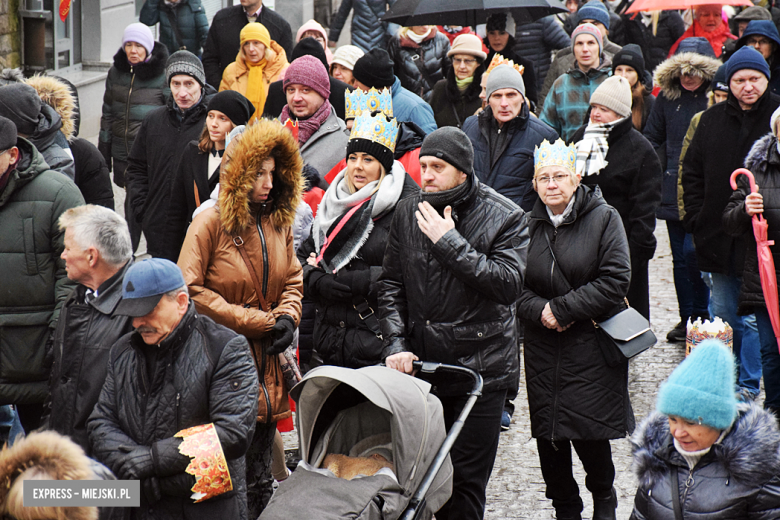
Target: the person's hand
pixel 358 281
pixel 401 362
pixel 431 223
pixel 137 464
pixel 754 204
pixel 548 319
pixel 282 334
pixel 326 285
pixel 332 44
pixel 312 260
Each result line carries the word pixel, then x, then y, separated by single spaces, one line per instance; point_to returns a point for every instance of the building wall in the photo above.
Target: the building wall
pixel 10 35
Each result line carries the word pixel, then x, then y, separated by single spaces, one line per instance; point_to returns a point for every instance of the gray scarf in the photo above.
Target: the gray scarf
pixel 593 149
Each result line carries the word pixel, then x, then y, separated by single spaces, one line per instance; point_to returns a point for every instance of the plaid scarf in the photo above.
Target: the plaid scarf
pixel 592 150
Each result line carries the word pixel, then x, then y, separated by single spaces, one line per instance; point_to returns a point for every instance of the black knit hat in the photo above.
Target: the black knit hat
pixel 311 47
pixel 184 62
pixel 8 134
pixel 20 103
pixel 234 105
pixel 630 55
pixel 451 145
pixel 381 153
pixel 496 22
pixel 375 69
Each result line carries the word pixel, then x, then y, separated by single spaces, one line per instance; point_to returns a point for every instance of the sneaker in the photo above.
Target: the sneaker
pixel 506 420
pixel 678 333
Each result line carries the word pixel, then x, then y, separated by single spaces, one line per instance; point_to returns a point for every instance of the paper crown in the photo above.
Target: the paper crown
pixel 378 129
pixel 208 464
pixel 555 154
pixel 500 60
pixel 358 102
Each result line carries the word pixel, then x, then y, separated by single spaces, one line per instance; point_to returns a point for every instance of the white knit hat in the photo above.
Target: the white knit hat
pixel 347 55
pixel 615 94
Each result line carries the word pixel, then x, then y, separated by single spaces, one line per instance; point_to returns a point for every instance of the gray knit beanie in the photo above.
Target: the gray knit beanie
pixel 451 145
pixel 615 94
pixel 7 134
pixel 504 76
pixel 184 62
pixel 20 103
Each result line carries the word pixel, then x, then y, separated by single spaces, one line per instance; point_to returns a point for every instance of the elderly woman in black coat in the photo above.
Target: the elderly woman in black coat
pixel 457 97
pixel 613 155
pixel 578 271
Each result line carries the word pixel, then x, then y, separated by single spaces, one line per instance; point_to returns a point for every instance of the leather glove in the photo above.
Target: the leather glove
pixel 137 464
pixel 282 333
pixel 150 487
pixel 358 281
pixel 326 286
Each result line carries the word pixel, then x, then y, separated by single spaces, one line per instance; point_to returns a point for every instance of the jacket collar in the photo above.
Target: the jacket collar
pixel 620 130
pixel 177 337
pixel 586 198
pixel 110 292
pixel 733 107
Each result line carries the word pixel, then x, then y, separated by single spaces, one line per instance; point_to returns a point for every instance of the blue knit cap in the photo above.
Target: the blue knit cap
pixel 701 388
pixel 746 58
pixel 696 44
pixel 760 28
pixel 594 10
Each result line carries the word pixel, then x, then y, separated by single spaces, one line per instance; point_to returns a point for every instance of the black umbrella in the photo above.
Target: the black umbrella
pixel 468 12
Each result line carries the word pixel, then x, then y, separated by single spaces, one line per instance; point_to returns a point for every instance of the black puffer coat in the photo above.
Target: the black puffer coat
pixel 368 31
pixel 724 137
pixel 153 161
pixel 739 479
pixel 572 393
pixel 451 107
pixel 529 73
pixel 189 17
pixel 82 342
pixel 655 49
pixel 340 336
pixel 92 175
pixel 764 161
pixel 453 301
pixel 203 374
pixel 431 54
pixel 537 40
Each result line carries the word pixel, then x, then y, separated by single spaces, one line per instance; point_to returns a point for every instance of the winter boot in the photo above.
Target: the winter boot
pixel 604 507
pixel 678 333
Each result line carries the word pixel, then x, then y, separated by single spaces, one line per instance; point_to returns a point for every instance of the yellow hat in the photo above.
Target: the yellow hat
pixel 255 31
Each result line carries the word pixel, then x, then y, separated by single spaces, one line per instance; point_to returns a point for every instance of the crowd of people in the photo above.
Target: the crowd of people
pixel 475 196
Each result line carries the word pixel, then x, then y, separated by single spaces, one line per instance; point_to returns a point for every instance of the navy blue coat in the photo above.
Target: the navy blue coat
pixel 537 40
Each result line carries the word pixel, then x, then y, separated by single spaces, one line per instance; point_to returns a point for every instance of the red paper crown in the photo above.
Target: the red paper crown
pixel 208 463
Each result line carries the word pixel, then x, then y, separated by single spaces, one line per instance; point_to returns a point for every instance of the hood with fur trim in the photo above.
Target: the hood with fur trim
pixel 57 95
pixel 668 73
pixel 759 153
pixel 259 141
pixel 49 453
pixel 750 452
pixel 147 69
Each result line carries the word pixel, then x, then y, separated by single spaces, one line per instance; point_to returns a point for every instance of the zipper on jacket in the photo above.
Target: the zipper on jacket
pixel 265 389
pixel 265 257
pixel 127 109
pixel 688 484
pixel 178 408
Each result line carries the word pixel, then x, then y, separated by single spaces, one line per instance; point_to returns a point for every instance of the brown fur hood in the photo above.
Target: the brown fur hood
pixel 45 453
pixel 259 141
pixel 57 95
pixel 668 73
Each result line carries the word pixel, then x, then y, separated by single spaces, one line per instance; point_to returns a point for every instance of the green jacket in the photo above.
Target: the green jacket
pixel 189 16
pixel 33 284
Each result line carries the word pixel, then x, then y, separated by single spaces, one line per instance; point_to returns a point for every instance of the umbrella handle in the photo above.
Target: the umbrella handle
pixel 748 174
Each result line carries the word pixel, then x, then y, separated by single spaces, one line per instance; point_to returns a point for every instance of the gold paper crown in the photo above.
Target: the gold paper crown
pixel 555 154
pixel 208 464
pixel 500 60
pixel 358 102
pixel 379 129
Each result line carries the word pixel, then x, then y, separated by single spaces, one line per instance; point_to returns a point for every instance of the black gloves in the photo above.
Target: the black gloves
pixel 282 335
pixel 328 287
pixel 358 281
pixel 137 464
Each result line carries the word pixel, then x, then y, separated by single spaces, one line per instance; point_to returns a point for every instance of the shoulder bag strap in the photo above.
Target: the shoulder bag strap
pixel 675 491
pixel 555 261
pixel 175 26
pixel 239 242
pixel 367 315
pixel 418 60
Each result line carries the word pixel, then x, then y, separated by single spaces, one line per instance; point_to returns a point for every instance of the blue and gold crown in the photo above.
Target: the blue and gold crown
pixel 378 129
pixel 555 154
pixel 358 102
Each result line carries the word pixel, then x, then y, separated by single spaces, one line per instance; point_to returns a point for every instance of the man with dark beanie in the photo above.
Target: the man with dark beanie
pixel 452 272
pixel 275 101
pixel 164 133
pixel 375 69
pixel 34 284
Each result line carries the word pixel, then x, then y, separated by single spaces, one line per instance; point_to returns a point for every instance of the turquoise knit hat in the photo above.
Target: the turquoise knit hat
pixel 701 388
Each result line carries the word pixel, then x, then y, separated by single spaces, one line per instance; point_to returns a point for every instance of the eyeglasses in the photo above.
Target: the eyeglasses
pixel 757 41
pixel 544 181
pixel 460 61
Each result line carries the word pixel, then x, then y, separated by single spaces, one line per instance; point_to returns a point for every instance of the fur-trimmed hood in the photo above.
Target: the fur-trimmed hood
pixel 57 95
pixel 668 73
pixel 750 452
pixel 759 154
pixel 259 141
pixel 51 454
pixel 145 70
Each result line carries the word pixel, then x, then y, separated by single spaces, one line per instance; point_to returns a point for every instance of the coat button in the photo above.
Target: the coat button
pixel 427 322
pixel 479 334
pixel 341 324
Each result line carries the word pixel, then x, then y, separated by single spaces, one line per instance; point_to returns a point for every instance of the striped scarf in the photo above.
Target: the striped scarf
pixel 593 148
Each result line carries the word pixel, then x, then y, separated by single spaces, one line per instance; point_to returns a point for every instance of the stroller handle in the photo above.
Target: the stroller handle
pixel 429 367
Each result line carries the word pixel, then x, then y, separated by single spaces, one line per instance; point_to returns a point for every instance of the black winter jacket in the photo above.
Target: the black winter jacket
pixel 132 92
pixel 368 31
pixel 85 333
pixel 512 174
pixel 572 392
pixel 739 479
pixel 340 336
pixel 536 42
pixel 92 176
pixel 277 99
pixel 453 301
pixel 655 49
pixel 203 374
pixel 188 15
pixel 224 38
pixel 722 140
pixel 764 161
pixel 630 183
pixel 153 162
pixel 430 54
pixel 529 72
pixel 451 107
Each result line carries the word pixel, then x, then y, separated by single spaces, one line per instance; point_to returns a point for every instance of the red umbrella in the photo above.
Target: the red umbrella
pixel 670 5
pixel 766 264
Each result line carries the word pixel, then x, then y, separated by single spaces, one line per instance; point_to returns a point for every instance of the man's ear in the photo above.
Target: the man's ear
pixel 183 301
pixel 93 255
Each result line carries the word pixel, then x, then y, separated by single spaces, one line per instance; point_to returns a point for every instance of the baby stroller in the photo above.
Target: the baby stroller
pixel 372 410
